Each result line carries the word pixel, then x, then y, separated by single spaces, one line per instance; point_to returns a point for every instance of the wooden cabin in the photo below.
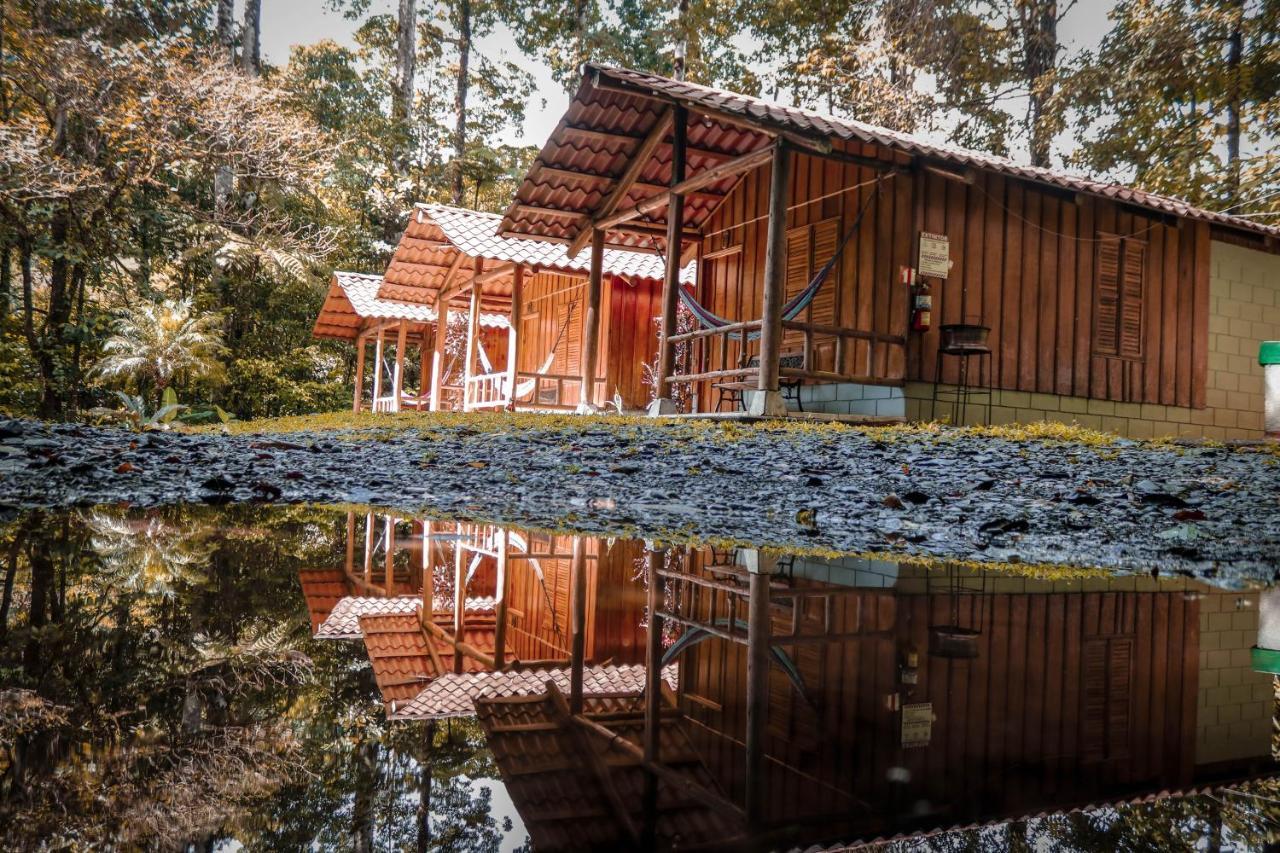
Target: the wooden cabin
pixel 816 238
pixel 515 331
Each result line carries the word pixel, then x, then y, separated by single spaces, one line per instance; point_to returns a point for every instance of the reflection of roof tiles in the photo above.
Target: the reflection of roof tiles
pixel 353 298
pixel 344 622
pixel 398 653
pixel 565 806
pixel 455 695
pixel 322 589
pixel 729 124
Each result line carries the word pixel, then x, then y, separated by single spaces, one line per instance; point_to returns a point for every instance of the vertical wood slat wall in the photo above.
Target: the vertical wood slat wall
pixel 1024 260
pixel 1012 730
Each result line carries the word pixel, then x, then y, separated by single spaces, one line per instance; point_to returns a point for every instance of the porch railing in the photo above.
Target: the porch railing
pixel 721 337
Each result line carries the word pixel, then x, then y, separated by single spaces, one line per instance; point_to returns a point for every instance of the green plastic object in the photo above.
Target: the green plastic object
pixel 1266 660
pixel 1269 352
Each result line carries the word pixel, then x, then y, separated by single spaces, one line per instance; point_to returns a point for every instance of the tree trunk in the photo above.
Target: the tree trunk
pixel 6 278
pixel 37 613
pixel 1040 56
pixel 250 58
pixel 46 347
pixel 406 47
pixel 11 571
pixel 225 28
pixel 460 97
pixel 1235 47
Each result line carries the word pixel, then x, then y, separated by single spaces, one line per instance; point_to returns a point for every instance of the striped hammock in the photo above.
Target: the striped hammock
pixel 796 304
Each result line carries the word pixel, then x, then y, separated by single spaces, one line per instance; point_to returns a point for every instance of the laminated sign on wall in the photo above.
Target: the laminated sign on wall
pixel 935 255
pixel 917 724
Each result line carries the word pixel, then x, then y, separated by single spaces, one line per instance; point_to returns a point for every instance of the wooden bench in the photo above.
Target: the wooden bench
pixel 733 393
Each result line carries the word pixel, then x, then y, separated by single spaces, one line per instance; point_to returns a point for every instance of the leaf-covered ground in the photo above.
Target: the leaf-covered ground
pixel 1042 495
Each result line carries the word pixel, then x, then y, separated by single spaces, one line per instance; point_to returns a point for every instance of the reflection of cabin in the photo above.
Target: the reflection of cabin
pixel 1104 304
pixel 519 314
pixel 475 607
pixel 1077 692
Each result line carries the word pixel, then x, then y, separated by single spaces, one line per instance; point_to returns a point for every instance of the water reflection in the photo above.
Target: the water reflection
pixel 312 677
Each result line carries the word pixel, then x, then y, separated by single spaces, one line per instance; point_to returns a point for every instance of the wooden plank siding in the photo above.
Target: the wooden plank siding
pixel 1072 697
pixel 628 332
pixel 1023 262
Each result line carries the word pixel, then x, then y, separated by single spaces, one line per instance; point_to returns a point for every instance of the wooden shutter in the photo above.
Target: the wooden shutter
pixel 568 359
pixel 1106 327
pixel 1105 713
pixel 797 277
pixel 826 237
pixel 1133 264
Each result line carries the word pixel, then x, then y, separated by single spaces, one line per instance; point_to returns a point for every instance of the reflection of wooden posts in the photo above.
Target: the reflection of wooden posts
pixel 402 333
pixel 513 334
pixel 500 602
pixel 351 543
pixel 358 396
pixel 591 322
pixel 578 623
pixel 757 691
pixel 675 228
pixel 653 694
pixel 428 577
pixel 389 538
pixel 437 354
pixel 769 400
pixel 459 600
pixel 367 565
pixel 377 371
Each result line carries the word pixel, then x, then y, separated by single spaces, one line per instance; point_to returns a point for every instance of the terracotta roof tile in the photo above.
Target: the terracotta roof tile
pixel 343 622
pixel 354 297
pixel 731 124
pixel 453 695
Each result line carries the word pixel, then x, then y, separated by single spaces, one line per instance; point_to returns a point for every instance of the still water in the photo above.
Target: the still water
pixel 312 677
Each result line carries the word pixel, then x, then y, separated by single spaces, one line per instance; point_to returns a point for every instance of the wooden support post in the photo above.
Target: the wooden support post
pixel 577 622
pixel 769 401
pixel 459 600
pixel 437 355
pixel 513 334
pixel 670 295
pixel 428 577
pixel 398 385
pixel 473 330
pixel 358 397
pixel 757 691
pixel 377 371
pixel 351 543
pixel 389 561
pixel 591 324
pixel 424 369
pixel 500 602
pixel 367 565
pixel 653 692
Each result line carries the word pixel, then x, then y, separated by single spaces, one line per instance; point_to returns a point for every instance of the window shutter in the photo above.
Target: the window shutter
pixel 797 276
pixel 569 352
pixel 1107 671
pixel 1133 264
pixel 1106 332
pixel 826 236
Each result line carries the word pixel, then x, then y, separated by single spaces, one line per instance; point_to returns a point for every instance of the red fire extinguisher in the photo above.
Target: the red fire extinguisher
pixel 922 301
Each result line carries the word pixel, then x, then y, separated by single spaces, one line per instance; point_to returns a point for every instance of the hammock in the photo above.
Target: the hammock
pixel 526 386
pixel 796 304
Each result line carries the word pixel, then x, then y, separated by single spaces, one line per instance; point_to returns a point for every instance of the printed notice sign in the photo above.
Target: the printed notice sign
pixel 935 255
pixel 917 724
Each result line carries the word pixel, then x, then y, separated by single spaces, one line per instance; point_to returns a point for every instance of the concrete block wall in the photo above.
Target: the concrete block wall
pixel 1235 705
pixel 850 398
pixel 1244 310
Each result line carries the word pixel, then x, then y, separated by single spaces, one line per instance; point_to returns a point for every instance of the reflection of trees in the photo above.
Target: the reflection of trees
pixel 157 683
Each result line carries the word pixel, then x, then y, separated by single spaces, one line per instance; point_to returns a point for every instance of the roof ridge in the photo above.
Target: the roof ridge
pixel 436 205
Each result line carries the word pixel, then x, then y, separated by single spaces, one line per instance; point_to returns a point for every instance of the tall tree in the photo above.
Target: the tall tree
pixel 461 14
pixel 406 63
pixel 251 37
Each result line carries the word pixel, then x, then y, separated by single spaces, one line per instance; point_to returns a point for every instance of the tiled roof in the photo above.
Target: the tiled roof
pixel 402 662
pixel 322 589
pixel 455 695
pixel 353 298
pixel 730 124
pixel 564 803
pixel 344 620
pixel 476 233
